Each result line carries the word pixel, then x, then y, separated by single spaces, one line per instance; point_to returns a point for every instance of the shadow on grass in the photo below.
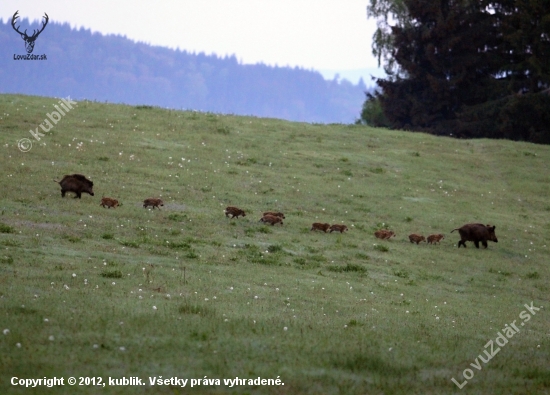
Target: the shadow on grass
pixel 361 362
pixel 350 267
pixel 189 308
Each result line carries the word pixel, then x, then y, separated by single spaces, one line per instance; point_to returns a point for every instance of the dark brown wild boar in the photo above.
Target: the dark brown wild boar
pixel 320 226
pixel 476 233
pixel 109 202
pixel 271 219
pixel 154 202
pixel 76 183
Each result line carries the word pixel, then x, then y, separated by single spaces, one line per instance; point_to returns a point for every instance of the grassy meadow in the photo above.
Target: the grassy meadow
pixel 185 292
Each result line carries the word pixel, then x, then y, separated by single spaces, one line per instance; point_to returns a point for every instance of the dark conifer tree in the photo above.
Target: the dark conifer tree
pixel 465 68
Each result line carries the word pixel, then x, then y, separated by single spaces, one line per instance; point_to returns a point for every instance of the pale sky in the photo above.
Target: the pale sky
pixel 325 35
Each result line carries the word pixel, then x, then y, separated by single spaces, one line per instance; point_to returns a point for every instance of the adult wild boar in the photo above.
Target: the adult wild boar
pixel 76 183
pixel 476 233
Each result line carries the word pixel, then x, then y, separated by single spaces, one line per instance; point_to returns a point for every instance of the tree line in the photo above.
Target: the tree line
pixel 86 65
pixel 464 68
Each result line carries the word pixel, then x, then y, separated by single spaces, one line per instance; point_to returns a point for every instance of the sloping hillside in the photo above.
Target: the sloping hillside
pixel 184 291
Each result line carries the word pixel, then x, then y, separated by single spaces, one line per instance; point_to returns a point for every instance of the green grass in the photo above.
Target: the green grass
pixel 184 291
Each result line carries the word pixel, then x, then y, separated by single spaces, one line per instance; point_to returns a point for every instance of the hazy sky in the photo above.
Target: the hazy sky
pixel 325 35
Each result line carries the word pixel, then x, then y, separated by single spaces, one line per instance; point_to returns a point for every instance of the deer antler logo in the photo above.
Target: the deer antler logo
pixel 29 40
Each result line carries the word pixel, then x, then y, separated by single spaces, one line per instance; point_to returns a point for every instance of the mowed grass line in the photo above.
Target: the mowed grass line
pixel 184 291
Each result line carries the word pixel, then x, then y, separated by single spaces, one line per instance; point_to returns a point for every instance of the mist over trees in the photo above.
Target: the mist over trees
pixel 112 68
pixel 466 68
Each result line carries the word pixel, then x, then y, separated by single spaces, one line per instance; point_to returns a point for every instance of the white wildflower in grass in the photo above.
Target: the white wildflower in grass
pixel 6 331
pixel 113 283
pixel 256 297
pixel 46 320
pixel 74 274
pixel 285 329
pixel 154 307
pixel 18 345
pixel 66 287
pixel 51 338
pixel 95 346
pixel 122 348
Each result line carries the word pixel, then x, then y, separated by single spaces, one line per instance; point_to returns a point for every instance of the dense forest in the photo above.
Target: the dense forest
pixel 473 68
pixel 86 65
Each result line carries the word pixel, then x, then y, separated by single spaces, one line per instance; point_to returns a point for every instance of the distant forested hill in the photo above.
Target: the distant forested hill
pixel 112 68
